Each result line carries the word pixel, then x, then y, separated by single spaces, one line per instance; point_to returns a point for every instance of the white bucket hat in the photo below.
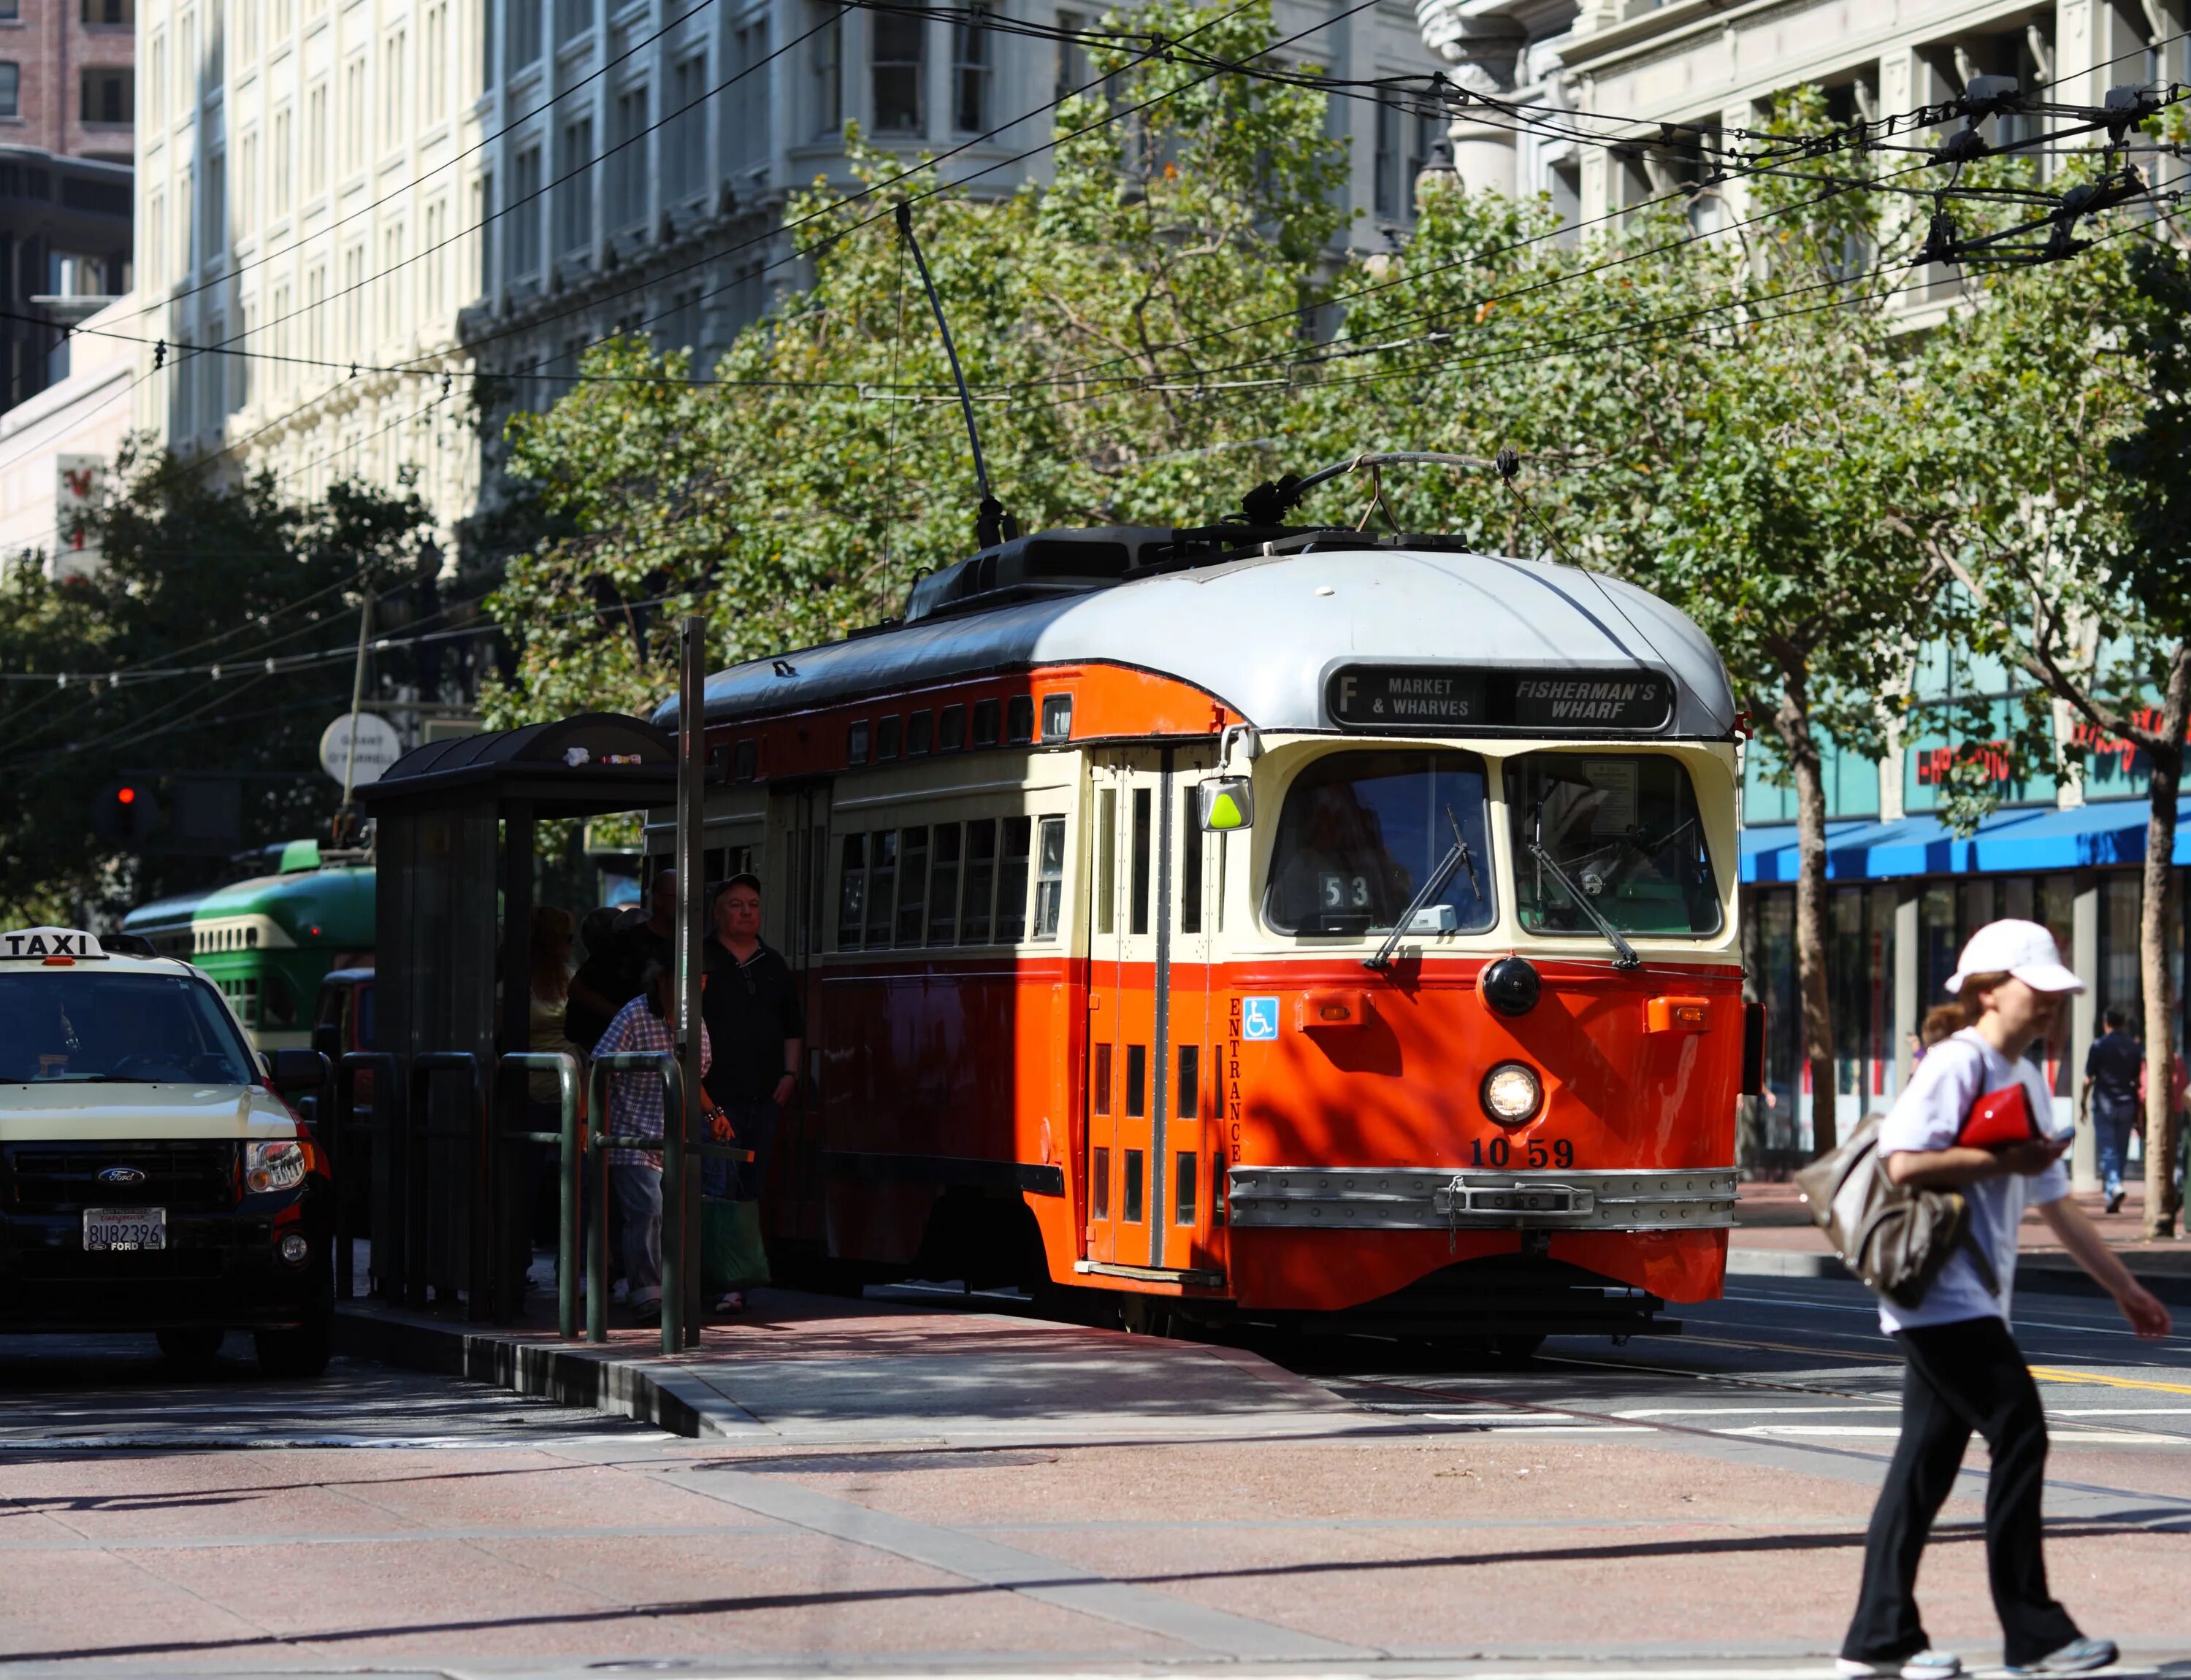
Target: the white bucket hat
pixel 2024 949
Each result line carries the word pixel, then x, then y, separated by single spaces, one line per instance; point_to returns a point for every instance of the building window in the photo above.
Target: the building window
pixel 1423 129
pixel 110 96
pixel 11 89
pixel 1072 56
pixel 10 8
pixel 749 47
pixel 573 18
pixel 316 137
pixel 828 67
pixel 970 72
pixel 1386 183
pixel 395 85
pixel 523 209
pixel 687 139
pixel 95 11
pixel 628 170
pixel 523 33
pixel 434 70
pixel 280 158
pixel 354 118
pixel 900 58
pixel 574 191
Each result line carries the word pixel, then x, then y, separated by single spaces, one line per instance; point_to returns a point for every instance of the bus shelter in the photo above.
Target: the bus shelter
pixel 454 829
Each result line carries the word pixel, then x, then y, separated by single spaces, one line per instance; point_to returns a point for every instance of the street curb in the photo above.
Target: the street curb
pixel 595 1378
pixel 2030 1280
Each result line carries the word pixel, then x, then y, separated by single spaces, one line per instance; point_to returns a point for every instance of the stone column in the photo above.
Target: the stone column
pixel 2083 1007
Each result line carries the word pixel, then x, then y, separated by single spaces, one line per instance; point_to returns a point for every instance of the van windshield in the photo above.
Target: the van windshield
pixel 1360 833
pixel 130 1028
pixel 1624 832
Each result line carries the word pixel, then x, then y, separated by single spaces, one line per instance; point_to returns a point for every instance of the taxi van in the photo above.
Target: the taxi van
pixel 152 1176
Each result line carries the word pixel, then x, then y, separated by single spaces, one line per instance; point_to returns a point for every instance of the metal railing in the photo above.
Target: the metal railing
pixel 680 1237
pixel 416 1134
pixel 343 1129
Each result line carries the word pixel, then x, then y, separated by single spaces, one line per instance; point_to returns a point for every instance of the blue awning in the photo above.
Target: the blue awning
pixel 2023 841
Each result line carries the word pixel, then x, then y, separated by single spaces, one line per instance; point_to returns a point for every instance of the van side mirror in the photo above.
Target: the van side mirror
pixel 1227 803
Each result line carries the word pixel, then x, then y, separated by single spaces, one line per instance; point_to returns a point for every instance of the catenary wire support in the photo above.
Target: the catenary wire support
pixel 992 525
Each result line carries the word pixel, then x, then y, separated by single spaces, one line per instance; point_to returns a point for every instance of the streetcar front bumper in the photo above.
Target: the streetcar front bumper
pixel 1443 1199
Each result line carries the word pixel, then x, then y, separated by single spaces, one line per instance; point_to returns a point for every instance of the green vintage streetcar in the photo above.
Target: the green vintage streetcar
pixel 268 942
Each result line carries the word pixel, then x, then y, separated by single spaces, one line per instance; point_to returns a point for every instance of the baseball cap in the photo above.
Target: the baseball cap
pixel 2024 949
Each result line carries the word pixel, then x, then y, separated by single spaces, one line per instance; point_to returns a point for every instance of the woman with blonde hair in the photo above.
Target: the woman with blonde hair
pixel 1963 1371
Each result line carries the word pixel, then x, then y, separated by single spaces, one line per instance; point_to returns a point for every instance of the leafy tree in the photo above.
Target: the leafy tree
pixel 799 491
pixel 193 573
pixel 2070 531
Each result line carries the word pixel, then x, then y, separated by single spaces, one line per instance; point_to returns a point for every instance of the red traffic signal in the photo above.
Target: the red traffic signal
pixel 126 813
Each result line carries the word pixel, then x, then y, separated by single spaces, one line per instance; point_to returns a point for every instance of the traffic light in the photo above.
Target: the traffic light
pixel 127 813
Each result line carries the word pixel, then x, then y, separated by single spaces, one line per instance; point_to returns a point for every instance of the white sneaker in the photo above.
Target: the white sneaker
pixel 2079 1656
pixel 1925 1666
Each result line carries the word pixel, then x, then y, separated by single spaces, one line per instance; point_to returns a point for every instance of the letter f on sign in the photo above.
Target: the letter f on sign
pixel 1345 694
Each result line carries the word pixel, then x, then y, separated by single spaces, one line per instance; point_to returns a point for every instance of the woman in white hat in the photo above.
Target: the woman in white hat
pixel 1964 1372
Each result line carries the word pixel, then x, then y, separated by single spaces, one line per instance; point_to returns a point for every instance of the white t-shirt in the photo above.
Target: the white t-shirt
pixel 1929 1113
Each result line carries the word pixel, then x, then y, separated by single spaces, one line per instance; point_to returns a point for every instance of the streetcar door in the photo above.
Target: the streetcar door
pixel 1135 1013
pixel 1195 1027
pixel 797 855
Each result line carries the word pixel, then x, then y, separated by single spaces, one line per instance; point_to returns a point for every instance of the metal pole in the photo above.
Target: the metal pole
pixel 357 692
pixel 594 1162
pixel 680 1278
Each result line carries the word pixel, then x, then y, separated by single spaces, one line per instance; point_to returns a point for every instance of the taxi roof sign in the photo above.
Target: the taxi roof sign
pixel 36 944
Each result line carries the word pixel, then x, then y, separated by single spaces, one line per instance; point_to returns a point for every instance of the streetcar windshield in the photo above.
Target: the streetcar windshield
pixel 118 1029
pixel 1361 834
pixel 1624 832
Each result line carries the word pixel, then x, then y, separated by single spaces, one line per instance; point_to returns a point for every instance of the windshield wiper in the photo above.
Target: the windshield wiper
pixel 1458 857
pixel 1623 954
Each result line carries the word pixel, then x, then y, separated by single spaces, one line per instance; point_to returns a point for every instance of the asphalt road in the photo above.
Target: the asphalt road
pixel 1675 1505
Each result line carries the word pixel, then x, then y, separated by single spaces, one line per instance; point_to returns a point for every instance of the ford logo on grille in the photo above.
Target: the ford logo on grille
pixel 121 1175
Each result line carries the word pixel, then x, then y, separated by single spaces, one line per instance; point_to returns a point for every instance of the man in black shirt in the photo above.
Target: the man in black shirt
pixel 2112 1067
pixel 751 1007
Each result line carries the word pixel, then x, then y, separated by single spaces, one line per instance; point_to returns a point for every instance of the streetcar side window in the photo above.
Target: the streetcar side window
pixel 1012 881
pixel 1625 832
pixel 912 886
pixel 1049 878
pixel 980 882
pixel 951 729
pixel 1192 840
pixel 986 713
pixel 919 730
pixel 943 886
pixel 1107 859
pixel 886 737
pixel 1138 921
pixel 1362 832
pixel 882 884
pixel 852 893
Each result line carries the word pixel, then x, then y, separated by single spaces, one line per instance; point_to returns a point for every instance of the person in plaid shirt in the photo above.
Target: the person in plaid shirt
pixel 637 1103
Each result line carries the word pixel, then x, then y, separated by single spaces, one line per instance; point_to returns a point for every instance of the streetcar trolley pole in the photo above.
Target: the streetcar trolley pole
pixel 473 1132
pixel 343 1127
pixel 679 1154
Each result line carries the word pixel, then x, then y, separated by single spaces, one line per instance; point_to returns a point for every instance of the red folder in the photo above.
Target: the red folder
pixel 1998 1119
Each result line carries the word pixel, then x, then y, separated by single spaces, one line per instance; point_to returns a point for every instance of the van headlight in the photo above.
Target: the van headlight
pixel 273 1166
pixel 1512 1093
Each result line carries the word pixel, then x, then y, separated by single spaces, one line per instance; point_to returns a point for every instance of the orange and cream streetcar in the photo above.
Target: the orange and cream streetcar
pixel 1279 925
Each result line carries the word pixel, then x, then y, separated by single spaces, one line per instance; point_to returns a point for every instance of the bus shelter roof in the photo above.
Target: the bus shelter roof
pixel 587 765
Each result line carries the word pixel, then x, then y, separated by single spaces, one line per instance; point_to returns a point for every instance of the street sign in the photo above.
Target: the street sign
pixel 378 748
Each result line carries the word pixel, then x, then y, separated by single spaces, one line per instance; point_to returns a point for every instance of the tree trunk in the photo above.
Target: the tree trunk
pixel 1792 721
pixel 2154 924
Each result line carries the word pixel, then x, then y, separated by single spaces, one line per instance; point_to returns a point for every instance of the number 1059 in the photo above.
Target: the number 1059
pixel 1505 1152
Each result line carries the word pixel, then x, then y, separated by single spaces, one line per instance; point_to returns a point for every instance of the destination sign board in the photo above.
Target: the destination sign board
pixel 1435 699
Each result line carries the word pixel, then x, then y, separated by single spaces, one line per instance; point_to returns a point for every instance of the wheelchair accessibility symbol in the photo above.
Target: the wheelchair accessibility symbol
pixel 1259 1018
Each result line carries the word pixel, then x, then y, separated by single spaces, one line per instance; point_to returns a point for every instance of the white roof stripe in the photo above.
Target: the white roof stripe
pixel 1258 634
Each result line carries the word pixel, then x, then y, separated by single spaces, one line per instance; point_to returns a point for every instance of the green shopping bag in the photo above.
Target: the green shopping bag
pixel 731 1255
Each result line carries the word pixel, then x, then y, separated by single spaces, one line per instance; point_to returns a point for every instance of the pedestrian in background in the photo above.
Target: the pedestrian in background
pixel 2114 1067
pixel 1963 1369
pixel 636 1105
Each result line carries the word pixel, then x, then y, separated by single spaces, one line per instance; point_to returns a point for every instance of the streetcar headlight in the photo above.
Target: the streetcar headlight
pixel 1512 1093
pixel 273 1166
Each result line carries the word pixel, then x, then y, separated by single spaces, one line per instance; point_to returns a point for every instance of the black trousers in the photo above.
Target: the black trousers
pixel 1961 1377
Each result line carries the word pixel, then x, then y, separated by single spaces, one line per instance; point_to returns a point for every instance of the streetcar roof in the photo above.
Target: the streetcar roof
pixel 1261 634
